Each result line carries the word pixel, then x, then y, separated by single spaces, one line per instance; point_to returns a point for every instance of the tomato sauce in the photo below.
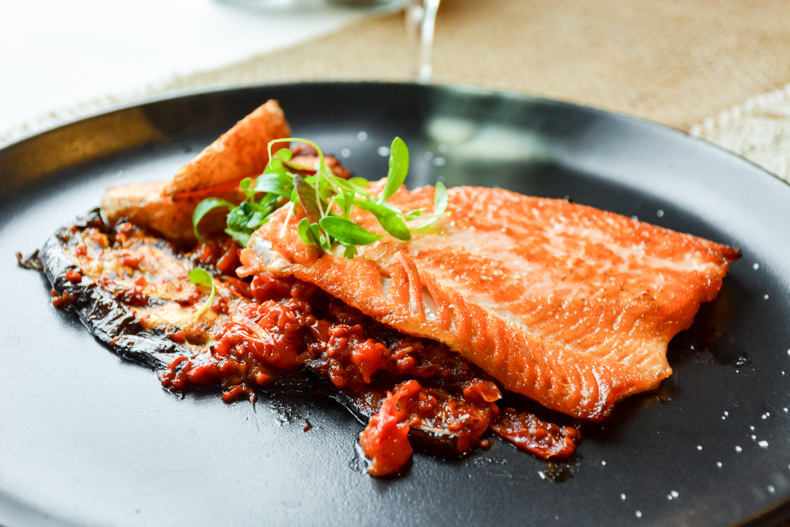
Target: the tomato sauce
pixel 414 393
pixel 410 387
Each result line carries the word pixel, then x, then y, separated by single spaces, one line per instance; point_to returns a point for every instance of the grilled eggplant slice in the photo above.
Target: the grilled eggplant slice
pixel 108 319
pixel 132 291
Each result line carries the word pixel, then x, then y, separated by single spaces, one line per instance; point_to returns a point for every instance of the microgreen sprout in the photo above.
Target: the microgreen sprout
pixel 327 201
pixel 198 276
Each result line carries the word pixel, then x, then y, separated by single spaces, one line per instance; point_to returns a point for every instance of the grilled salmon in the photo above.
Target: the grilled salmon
pixel 569 305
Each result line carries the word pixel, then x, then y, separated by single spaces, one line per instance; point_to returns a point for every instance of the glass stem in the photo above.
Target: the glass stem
pixel 420 24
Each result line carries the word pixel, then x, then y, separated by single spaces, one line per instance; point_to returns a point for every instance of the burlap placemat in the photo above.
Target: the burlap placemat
pixel 673 61
pixel 758 129
pixel 678 62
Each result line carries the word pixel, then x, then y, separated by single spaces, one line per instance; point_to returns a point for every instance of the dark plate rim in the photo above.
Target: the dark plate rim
pixel 464 89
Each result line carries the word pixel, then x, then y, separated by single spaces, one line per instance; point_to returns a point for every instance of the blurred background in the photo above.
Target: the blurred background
pixel 718 69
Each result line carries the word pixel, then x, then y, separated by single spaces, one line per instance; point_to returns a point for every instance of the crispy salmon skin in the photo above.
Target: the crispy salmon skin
pixel 569 305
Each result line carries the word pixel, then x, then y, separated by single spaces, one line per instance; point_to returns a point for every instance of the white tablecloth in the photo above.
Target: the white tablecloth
pixel 60 55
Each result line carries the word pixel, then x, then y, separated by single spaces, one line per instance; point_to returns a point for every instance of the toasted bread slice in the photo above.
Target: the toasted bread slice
pixel 569 305
pixel 238 153
pixel 146 205
pixel 167 206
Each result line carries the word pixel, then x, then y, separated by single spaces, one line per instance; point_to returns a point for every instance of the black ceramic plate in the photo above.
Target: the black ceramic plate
pixel 88 439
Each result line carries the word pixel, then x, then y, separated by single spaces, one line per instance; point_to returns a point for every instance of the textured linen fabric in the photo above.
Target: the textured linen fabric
pixel 715 68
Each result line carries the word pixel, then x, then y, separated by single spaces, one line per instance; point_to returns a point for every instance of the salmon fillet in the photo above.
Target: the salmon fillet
pixel 569 305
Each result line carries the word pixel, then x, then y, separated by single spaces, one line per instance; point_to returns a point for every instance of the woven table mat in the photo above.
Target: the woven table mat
pixel 692 65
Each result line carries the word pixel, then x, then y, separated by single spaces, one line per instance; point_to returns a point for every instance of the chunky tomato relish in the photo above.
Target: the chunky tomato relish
pixel 411 387
pixel 258 332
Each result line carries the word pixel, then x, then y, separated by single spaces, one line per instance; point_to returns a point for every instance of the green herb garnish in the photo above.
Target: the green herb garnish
pixel 326 199
pixel 200 276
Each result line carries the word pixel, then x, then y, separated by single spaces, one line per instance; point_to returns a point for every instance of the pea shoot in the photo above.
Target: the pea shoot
pixel 327 201
pixel 198 276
